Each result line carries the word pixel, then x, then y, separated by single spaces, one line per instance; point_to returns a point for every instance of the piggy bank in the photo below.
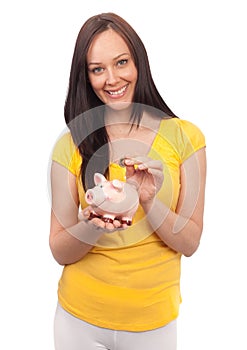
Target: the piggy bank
pixel 112 200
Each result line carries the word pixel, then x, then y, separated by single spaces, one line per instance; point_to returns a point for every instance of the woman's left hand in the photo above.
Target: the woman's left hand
pixel 146 174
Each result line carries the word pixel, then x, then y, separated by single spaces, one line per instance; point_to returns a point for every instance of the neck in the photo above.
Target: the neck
pixel 117 121
pixel 116 116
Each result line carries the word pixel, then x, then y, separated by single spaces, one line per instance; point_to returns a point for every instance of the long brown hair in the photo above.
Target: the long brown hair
pixel 84 119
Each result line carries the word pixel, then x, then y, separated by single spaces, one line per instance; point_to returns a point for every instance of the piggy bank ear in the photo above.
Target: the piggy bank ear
pixel 118 185
pixel 99 179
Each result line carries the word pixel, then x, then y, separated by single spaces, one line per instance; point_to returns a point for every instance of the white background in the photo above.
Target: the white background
pixel 197 52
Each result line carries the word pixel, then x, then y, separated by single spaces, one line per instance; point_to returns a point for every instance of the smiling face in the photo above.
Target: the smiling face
pixel 111 69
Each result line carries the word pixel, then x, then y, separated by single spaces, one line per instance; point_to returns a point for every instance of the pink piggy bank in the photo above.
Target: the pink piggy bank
pixel 112 200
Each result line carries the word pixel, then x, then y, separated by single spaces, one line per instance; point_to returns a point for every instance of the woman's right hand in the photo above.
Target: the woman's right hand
pixel 98 223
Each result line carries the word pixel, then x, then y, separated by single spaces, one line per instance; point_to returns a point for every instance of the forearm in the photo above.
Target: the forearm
pixel 73 243
pixel 179 233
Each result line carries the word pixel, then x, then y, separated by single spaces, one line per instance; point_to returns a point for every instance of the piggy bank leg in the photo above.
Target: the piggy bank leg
pixel 108 218
pixel 126 221
pixel 93 215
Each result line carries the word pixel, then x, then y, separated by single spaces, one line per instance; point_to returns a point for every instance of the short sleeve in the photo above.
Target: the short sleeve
pixel 191 139
pixel 67 154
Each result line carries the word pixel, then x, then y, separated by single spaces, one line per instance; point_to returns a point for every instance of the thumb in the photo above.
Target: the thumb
pixel 130 171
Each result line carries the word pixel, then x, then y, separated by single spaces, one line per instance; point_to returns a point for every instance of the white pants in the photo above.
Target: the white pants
pixel 72 333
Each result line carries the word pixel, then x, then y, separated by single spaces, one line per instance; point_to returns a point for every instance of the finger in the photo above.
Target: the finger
pixel 85 213
pixel 155 172
pixel 130 170
pixel 109 226
pixel 124 226
pixel 136 160
pixel 116 223
pixel 143 162
pixel 131 164
pixel 157 175
pixel 151 164
pixel 97 222
pixel 115 226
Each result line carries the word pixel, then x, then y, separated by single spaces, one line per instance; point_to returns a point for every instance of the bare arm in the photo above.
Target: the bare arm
pixel 70 239
pixel 182 230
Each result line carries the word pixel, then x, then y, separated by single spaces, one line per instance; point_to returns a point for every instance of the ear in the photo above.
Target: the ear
pixel 118 185
pixel 99 179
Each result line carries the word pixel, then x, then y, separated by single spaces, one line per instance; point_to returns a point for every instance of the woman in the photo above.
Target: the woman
pixel 120 286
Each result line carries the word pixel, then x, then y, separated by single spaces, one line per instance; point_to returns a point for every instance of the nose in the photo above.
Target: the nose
pixel 112 77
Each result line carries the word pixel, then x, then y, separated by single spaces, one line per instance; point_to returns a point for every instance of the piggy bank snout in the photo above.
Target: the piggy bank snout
pixel 89 196
pixel 95 196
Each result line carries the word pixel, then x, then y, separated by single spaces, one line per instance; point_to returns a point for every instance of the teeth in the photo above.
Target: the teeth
pixel 118 92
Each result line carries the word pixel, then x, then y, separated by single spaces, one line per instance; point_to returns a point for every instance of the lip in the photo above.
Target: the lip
pixel 117 93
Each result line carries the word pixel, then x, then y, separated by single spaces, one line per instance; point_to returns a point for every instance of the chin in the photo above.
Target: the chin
pixel 119 105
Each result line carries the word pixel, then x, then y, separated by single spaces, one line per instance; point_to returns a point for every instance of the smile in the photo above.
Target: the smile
pixel 118 92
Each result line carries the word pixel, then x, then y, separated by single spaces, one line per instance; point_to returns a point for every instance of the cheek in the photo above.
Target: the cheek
pixel 97 83
pixel 131 74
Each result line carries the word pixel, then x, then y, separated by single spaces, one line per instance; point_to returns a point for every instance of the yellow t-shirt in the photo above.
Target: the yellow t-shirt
pixel 131 279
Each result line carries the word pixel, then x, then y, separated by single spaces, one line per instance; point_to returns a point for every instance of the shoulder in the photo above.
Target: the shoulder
pixel 176 126
pixel 64 144
pixel 185 137
pixel 66 153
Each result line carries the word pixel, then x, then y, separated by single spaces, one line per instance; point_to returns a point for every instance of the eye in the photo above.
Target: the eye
pixel 97 70
pixel 122 62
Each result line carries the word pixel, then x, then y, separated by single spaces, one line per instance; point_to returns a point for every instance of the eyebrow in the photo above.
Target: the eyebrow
pixel 114 59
